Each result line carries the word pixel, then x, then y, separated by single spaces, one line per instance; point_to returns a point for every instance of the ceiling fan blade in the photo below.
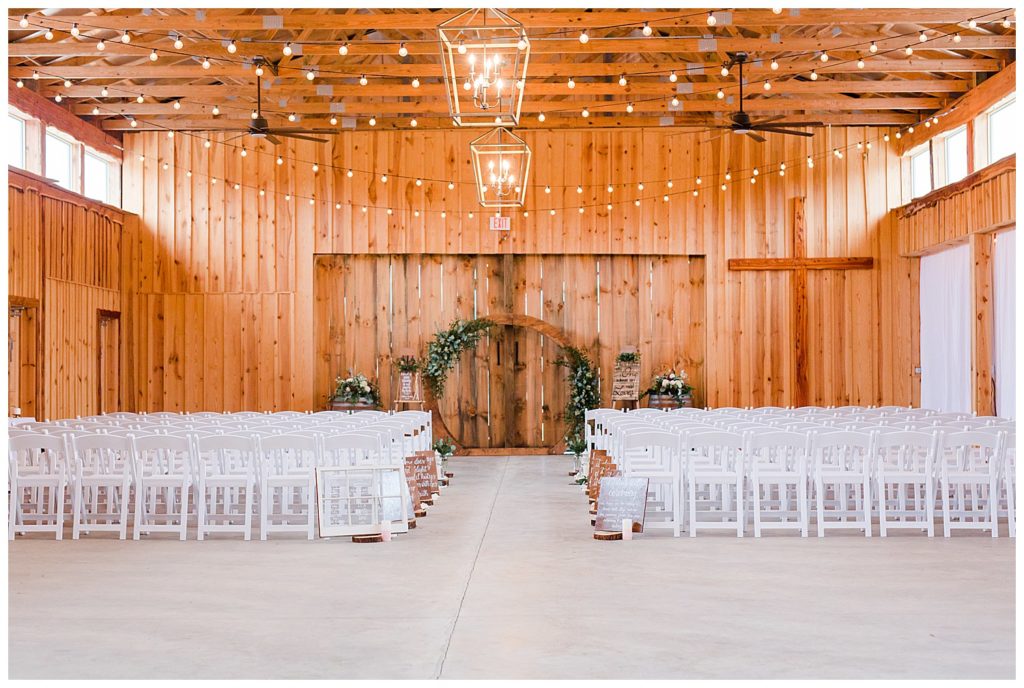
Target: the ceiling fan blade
pixel 796 124
pixel 273 139
pixel 299 136
pixel 221 130
pixel 766 120
pixel 756 137
pixel 302 130
pixel 792 132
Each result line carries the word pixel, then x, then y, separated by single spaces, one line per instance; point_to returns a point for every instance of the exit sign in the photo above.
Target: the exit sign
pixel 501 223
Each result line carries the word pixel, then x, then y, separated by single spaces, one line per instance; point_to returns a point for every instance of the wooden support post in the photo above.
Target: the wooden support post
pixel 982 339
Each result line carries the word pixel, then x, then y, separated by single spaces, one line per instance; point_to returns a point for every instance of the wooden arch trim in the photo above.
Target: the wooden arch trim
pixel 528 322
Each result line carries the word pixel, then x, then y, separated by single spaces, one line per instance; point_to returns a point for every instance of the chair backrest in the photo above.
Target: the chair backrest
pixel 973 450
pixel 719 448
pixel 165 454
pixel 289 453
pixel 353 449
pixel 845 450
pixel 37 453
pixel 906 450
pixel 101 453
pixel 226 454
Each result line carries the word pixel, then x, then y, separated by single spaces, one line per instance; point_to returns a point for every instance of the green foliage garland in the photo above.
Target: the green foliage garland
pixel 584 392
pixel 446 347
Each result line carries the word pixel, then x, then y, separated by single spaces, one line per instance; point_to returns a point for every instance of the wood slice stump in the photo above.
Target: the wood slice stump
pixel 607 535
pixel 412 523
pixel 449 474
pixel 443 482
pixel 368 538
pixel 422 513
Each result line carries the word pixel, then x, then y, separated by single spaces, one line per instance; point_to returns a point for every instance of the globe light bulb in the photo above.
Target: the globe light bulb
pixel 343 49
pixel 232 47
pixel 647 30
pixel 711 19
pixel 287 50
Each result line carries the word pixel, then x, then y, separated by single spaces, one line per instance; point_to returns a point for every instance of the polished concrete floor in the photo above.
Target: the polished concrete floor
pixel 503 580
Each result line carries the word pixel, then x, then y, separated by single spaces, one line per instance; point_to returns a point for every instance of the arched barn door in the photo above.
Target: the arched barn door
pixel 507 393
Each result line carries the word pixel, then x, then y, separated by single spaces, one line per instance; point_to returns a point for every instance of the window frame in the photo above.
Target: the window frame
pixel 943 168
pixel 15 115
pixel 113 176
pixel 995 109
pixel 74 159
pixel 923 149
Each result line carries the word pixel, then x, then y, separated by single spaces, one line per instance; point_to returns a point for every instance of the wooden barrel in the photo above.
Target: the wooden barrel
pixel 335 405
pixel 666 401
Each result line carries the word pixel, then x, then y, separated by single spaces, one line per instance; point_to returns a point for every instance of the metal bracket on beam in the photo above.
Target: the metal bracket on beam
pixel 707 45
pixel 666 121
pixel 273 21
pixel 684 87
pixel 337 106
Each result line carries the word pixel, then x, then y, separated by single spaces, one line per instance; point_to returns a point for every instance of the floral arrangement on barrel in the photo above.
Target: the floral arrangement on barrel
pixel 444 350
pixel 672 384
pixel 356 389
pixel 407 364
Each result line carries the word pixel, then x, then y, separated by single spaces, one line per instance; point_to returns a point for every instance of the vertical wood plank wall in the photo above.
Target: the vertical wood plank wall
pixel 369 309
pixel 219 282
pixel 65 253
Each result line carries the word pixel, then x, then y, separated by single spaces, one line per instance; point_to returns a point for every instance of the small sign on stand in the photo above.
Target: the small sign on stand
pixel 623 501
pixel 626 380
pixel 409 389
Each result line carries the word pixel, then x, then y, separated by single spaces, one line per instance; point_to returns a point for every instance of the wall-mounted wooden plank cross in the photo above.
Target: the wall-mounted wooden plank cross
pixel 799 263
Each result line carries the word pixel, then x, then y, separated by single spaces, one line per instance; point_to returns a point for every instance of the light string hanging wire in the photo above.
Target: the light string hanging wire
pixel 599 105
pixel 731 179
pixel 896 49
pixel 996 15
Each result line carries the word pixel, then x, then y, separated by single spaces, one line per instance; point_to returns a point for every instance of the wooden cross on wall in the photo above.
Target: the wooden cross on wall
pixel 800 264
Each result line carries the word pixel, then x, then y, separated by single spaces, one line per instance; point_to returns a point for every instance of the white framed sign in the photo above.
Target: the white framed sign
pixel 355 500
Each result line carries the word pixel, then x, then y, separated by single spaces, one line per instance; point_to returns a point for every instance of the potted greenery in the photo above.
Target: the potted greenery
pixel 356 391
pixel 629 357
pixel 577 446
pixel 670 390
pixel 407 364
pixel 444 447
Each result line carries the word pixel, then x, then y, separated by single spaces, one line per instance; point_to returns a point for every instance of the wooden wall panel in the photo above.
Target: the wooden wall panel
pixel 65 257
pixel 254 254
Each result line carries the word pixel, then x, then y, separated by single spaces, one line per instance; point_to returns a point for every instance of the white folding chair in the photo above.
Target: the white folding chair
pixel 715 461
pixel 971 466
pixel 101 485
pixel 288 483
pixel 905 479
pixel 38 474
pixel 779 465
pixel 655 455
pixel 225 484
pixel 842 466
pixel 163 478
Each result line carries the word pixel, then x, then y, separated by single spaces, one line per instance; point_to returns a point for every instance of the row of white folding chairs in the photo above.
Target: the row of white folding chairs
pixel 231 476
pixel 892 470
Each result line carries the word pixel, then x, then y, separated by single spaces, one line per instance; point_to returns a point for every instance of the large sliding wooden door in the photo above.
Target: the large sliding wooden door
pixel 22 351
pixel 109 351
pixel 508 392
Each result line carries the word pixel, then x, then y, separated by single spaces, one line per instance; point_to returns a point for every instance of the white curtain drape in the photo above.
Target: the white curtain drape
pixel 1004 267
pixel 946 330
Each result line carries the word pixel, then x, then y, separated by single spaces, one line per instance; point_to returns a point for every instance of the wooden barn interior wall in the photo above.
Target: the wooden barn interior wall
pixel 972 211
pixel 65 265
pixel 219 282
pixel 370 309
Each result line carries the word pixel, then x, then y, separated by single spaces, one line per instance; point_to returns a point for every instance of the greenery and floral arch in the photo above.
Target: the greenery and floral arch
pixel 444 350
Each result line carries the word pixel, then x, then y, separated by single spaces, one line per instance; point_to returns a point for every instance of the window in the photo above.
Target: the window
pixel 956 155
pixel 920 172
pixel 97 178
pixel 1001 134
pixel 59 165
pixel 16 141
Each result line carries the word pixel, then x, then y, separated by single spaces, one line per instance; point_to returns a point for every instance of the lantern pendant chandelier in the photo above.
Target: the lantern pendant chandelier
pixel 501 165
pixel 485 53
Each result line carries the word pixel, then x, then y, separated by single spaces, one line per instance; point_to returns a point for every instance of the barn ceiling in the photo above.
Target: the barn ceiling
pixel 855 86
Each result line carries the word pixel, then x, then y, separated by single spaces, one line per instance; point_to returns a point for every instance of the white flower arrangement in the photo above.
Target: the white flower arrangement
pixel 673 384
pixel 356 389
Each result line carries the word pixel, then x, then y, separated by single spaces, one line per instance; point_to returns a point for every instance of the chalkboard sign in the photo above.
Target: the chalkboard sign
pixel 622 498
pixel 414 492
pixel 626 383
pixel 408 386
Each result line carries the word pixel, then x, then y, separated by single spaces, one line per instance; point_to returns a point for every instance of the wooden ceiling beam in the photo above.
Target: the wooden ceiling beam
pixel 634 88
pixel 573 19
pixel 215 49
pixel 562 70
pixel 437 106
pixel 616 120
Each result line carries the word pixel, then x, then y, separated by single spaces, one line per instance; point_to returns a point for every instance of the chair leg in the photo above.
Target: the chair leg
pixel 201 510
pixel 880 487
pixel 266 495
pixel 692 496
pixel 184 509
pixel 740 512
pixel 819 486
pixel 12 508
pixel 944 489
pixel 993 506
pixel 801 505
pixel 756 491
pixel 76 510
pixel 866 506
pixel 248 510
pixel 140 506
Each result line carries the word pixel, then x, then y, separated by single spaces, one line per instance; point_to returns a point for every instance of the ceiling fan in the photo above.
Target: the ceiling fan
pixel 261 129
pixel 742 124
